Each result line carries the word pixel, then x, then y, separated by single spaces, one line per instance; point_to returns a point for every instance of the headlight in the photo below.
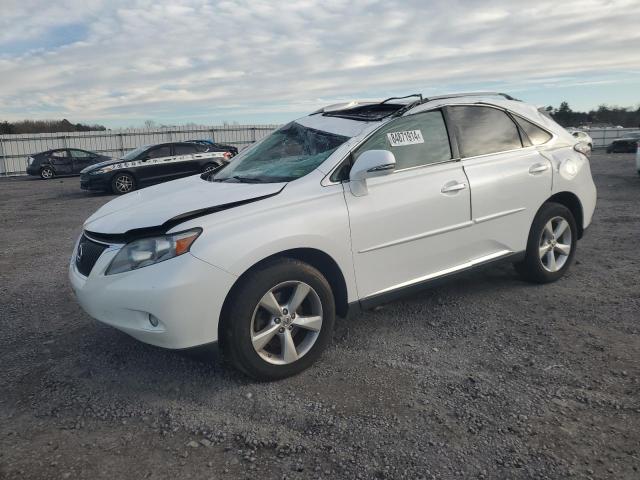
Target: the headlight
pixel 148 251
pixel 30 160
pixel 106 169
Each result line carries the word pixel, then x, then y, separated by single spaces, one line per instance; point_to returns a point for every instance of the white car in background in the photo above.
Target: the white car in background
pixel 348 207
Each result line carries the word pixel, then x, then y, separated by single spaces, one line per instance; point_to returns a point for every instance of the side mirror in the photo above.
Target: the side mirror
pixel 372 163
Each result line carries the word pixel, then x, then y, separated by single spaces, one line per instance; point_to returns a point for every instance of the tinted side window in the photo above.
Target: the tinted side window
pixel 537 135
pixel 482 130
pixel 183 149
pixel 159 152
pixel 414 140
pixel 59 154
pixel 79 154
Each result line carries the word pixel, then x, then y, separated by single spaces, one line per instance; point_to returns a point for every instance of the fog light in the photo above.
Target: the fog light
pixel 153 321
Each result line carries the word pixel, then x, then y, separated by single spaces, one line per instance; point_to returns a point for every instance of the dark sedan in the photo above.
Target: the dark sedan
pixel 628 144
pixel 152 164
pixel 62 161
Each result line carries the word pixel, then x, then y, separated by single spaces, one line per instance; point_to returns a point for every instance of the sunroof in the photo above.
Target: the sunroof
pixel 366 112
pixel 376 111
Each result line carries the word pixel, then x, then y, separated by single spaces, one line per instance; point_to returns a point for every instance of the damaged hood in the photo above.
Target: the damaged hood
pixel 163 206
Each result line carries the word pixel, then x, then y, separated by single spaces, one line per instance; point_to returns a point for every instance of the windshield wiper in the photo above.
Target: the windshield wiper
pixel 239 179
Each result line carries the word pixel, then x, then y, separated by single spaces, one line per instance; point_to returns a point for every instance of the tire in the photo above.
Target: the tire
pixel 47 173
pixel 122 183
pixel 257 339
pixel 538 266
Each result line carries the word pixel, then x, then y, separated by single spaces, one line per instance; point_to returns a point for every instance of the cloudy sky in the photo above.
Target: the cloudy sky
pixel 122 62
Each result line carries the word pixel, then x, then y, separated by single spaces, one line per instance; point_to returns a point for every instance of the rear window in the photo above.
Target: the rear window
pixel 537 135
pixel 483 130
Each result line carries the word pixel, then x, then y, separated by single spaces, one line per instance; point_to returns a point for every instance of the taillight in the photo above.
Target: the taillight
pixel 228 155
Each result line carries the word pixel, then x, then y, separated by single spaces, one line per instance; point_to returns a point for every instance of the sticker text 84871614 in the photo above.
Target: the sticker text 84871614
pixel 409 137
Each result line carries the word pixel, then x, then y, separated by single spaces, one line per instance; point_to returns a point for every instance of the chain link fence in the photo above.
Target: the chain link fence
pixel 15 149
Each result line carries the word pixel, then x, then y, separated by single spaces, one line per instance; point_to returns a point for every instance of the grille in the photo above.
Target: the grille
pixel 87 255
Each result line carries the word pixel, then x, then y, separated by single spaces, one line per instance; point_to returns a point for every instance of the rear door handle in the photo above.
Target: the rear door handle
pixel 452 187
pixel 538 168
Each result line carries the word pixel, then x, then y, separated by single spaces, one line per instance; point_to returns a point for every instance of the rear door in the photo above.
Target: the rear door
pixel 81 159
pixel 185 158
pixel 509 178
pixel 61 162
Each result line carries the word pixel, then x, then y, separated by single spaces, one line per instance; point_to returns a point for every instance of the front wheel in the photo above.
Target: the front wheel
pixel 551 245
pixel 123 183
pixel 278 321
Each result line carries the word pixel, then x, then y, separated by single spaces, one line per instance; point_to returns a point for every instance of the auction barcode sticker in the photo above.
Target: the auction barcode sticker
pixel 410 137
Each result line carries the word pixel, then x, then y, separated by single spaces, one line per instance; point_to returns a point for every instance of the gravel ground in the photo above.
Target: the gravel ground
pixel 487 377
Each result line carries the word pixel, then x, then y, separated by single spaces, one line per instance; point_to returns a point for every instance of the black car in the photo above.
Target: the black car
pixel 628 144
pixel 152 164
pixel 62 161
pixel 218 146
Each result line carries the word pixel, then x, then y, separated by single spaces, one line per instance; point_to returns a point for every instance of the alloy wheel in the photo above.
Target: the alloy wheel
pixel 555 244
pixel 46 173
pixel 286 322
pixel 124 183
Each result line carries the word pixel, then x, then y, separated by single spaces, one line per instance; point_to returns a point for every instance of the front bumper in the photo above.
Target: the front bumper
pixel 184 294
pixel 95 182
pixel 33 170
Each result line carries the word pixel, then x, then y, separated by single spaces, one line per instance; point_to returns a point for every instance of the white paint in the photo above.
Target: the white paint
pixel 402 230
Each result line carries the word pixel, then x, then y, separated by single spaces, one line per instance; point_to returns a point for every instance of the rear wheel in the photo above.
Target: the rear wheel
pixel 123 183
pixel 46 173
pixel 278 321
pixel 551 245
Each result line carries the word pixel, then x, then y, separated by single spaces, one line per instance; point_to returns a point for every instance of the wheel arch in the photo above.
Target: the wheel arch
pixel 318 259
pixel 573 203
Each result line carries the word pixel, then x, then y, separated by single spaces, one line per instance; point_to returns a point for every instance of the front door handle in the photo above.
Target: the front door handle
pixel 538 168
pixel 452 187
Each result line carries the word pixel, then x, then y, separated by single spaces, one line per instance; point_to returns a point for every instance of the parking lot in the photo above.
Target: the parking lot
pixel 486 377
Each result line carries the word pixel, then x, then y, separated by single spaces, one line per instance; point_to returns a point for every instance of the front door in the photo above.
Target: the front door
pixel 157 164
pixel 61 162
pixel 407 229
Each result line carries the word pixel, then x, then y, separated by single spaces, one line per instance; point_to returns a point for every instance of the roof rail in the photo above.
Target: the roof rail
pixel 472 94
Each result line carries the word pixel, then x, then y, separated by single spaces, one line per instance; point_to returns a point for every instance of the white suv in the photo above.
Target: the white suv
pixel 347 207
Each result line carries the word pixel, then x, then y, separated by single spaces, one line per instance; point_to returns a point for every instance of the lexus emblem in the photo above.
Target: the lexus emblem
pixel 79 254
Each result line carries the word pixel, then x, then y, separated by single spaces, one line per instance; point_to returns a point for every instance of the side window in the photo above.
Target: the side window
pixel 182 149
pixel 159 152
pixel 79 154
pixel 415 140
pixel 537 135
pixel 482 130
pixel 60 154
